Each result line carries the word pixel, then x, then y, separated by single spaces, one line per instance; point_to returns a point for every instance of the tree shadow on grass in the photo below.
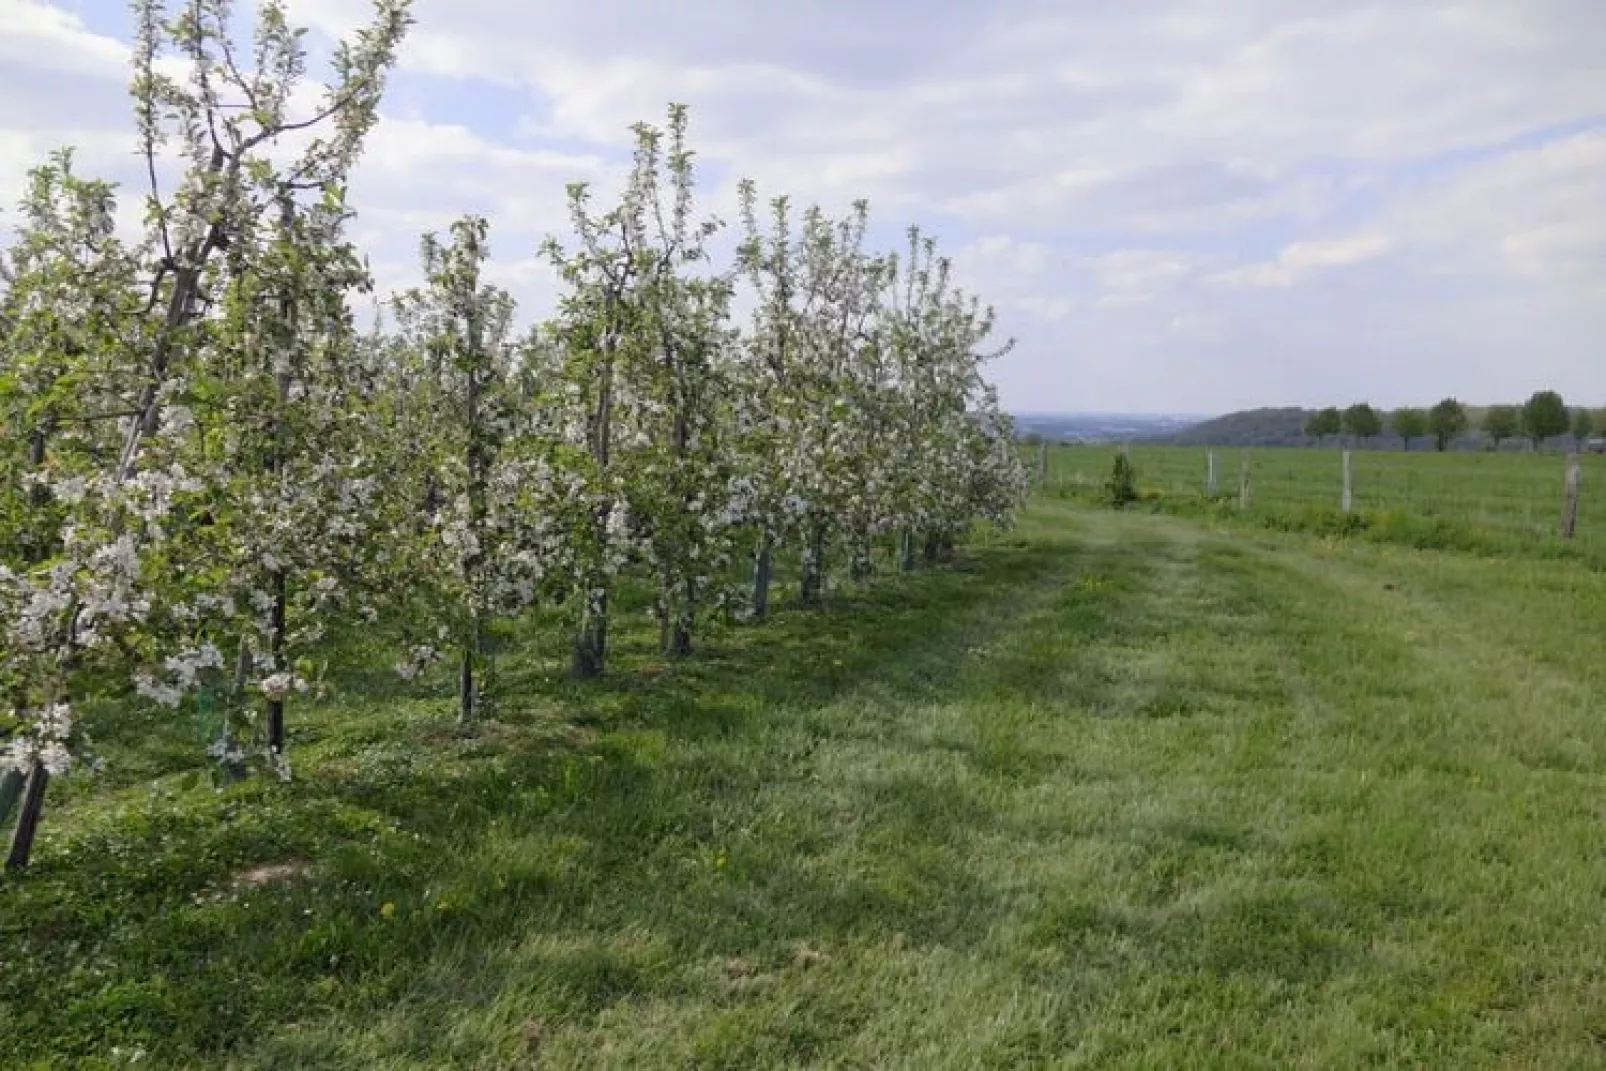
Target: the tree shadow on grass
pixel 583 806
pixel 591 843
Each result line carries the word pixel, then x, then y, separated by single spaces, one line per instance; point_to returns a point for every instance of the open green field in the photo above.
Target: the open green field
pixel 1119 789
pixel 1478 500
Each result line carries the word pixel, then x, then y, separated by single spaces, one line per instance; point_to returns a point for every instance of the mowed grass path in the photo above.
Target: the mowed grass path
pixel 1119 790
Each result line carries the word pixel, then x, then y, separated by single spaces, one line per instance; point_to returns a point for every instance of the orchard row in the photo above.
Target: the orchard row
pixel 208 465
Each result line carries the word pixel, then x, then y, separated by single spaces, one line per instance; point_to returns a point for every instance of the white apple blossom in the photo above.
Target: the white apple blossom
pixel 254 474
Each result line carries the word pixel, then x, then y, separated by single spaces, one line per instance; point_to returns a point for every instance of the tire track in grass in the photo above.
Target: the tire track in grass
pixel 1451 789
pixel 1223 809
pixel 1307 867
pixel 1132 854
pixel 1511 702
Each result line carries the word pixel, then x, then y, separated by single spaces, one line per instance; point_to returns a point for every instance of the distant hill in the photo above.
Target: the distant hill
pixel 1101 427
pixel 1251 427
pixel 1286 427
pixel 1283 426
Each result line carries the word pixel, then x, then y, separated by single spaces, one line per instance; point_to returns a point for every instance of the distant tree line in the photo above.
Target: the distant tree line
pixel 1543 416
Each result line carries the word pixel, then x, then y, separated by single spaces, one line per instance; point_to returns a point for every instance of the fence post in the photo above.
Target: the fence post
pixel 1210 473
pixel 1347 499
pixel 1243 486
pixel 1042 463
pixel 1569 506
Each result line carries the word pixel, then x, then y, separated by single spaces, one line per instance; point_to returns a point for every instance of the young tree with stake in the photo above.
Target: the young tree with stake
pixel 766 402
pixel 459 330
pixel 108 586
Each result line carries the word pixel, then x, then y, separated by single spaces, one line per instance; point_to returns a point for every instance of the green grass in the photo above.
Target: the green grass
pixel 1506 503
pixel 1120 789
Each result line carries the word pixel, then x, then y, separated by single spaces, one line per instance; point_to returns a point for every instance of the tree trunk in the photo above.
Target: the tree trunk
pixel 763 570
pixel 682 618
pixel 661 610
pixel 33 806
pixel 679 645
pixel 906 551
pixel 477 457
pixel 432 498
pixel 591 641
pixel 234 698
pixel 281 383
pixel 812 588
pixel 276 706
pixel 36 547
pixel 466 697
pixel 591 644
pixel 933 548
pixel 183 305
pixel 682 611
pixel 38 494
pixel 860 567
pixel 10 790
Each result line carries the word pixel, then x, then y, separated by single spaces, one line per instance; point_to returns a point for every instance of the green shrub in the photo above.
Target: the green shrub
pixel 1122 487
pixel 1316 520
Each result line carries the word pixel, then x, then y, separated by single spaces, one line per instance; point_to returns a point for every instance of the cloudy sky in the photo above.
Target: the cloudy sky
pixel 1175 205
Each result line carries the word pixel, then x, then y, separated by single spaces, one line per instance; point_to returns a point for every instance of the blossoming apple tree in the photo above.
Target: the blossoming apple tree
pixel 98 594
pixel 208 473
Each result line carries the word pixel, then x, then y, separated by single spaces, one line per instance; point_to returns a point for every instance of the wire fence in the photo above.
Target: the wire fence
pixel 1515 495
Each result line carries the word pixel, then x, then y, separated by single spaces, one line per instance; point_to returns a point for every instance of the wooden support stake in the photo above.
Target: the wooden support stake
pixel 33 804
pixel 1347 500
pixel 10 792
pixel 1569 506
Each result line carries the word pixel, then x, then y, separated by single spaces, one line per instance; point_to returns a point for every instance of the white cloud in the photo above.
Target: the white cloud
pixel 42 36
pixel 1137 276
pixel 1175 203
pixel 1539 213
pixel 1301 258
